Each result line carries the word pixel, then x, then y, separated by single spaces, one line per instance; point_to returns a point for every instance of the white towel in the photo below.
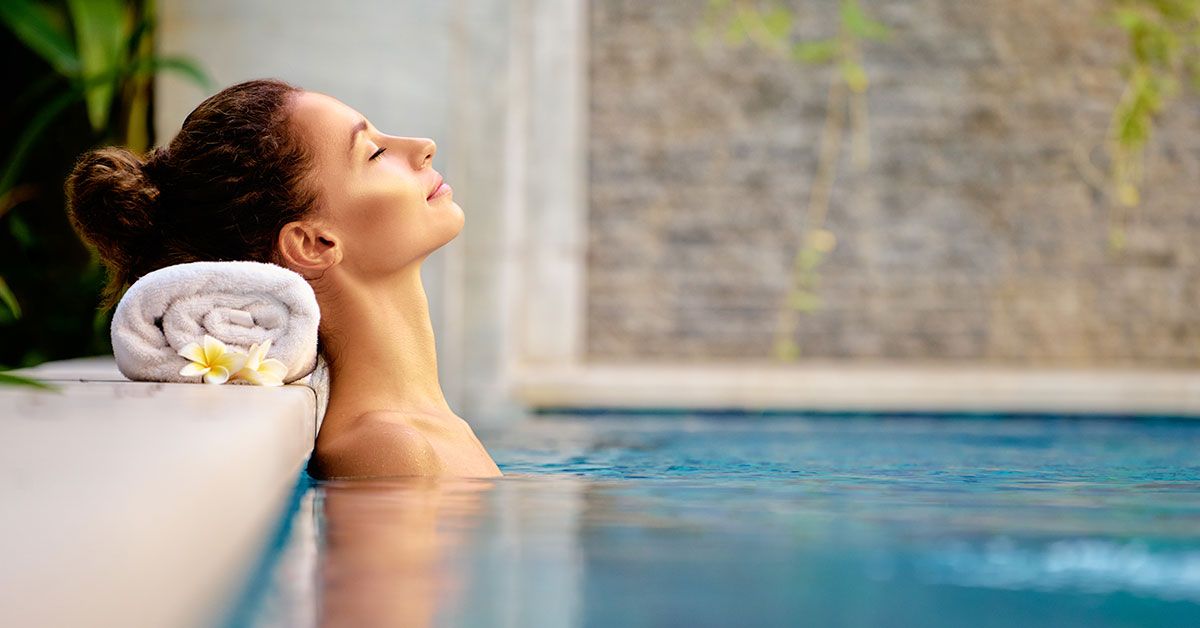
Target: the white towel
pixel 318 381
pixel 238 303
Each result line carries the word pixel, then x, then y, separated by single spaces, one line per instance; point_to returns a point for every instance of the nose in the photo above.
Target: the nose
pixel 420 151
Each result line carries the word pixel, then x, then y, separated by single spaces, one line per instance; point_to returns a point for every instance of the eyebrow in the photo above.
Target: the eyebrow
pixel 358 128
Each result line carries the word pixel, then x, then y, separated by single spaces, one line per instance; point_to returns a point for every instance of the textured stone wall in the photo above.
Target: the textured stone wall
pixel 977 233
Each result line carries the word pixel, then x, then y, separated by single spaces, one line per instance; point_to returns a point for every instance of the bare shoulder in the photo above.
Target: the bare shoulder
pixel 376 444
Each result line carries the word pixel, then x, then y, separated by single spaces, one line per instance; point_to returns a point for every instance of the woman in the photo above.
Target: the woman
pixel 266 171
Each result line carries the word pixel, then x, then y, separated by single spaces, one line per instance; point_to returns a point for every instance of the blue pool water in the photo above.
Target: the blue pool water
pixel 737 521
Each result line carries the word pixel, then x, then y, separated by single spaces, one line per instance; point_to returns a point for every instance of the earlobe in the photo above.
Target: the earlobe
pixel 308 249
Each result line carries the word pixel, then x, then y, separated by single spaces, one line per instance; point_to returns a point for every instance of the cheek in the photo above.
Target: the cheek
pixel 363 218
pixel 390 221
pixel 391 225
pixel 385 207
pixel 384 222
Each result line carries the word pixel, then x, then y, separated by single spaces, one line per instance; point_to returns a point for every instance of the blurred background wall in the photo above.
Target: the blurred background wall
pixel 978 231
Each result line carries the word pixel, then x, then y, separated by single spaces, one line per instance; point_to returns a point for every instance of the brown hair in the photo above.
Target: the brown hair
pixel 221 190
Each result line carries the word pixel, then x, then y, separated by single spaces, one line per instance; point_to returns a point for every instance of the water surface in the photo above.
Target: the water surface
pixel 728 521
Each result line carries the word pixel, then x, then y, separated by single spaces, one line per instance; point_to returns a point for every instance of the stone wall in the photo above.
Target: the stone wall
pixel 978 231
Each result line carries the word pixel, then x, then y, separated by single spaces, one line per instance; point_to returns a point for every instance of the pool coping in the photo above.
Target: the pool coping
pixel 842 388
pixel 141 504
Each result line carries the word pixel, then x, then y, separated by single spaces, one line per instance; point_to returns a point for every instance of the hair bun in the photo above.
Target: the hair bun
pixel 111 201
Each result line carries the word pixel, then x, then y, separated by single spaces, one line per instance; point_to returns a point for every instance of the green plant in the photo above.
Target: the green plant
pixel 112 53
pixel 1163 38
pixel 769 26
pixel 83 72
pixel 10 379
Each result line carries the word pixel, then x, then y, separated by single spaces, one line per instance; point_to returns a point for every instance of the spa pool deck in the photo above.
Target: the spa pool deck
pixel 139 504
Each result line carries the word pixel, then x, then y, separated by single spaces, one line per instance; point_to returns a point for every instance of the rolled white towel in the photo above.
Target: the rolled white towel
pixel 238 303
pixel 318 381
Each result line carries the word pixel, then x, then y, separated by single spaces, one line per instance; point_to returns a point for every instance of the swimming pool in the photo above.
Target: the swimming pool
pixel 765 521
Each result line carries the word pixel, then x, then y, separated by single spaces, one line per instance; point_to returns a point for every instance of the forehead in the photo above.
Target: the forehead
pixel 324 120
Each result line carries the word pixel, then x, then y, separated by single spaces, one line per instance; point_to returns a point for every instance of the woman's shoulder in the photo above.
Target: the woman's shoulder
pixel 376 444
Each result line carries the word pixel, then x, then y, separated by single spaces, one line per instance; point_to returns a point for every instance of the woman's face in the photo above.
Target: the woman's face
pixel 379 194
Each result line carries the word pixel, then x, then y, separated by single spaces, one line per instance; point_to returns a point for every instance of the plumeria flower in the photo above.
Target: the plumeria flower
pixel 214 360
pixel 261 370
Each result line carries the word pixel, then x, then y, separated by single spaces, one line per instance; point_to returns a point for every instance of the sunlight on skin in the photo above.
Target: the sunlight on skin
pixel 382 210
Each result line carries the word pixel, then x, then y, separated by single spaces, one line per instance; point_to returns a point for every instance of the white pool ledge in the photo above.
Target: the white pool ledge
pixel 140 504
pixel 863 387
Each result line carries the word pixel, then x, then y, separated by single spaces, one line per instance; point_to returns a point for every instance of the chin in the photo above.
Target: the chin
pixel 448 232
pixel 460 220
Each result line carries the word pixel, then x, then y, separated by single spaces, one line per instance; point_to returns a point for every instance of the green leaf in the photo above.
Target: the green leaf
pixel 786 350
pixel 20 231
pixel 31 25
pixel 9 379
pixel 735 31
pixel 1128 19
pixel 16 159
pixel 1180 11
pixel 183 66
pixel 820 51
pixel 145 26
pixel 778 23
pixel 9 299
pixel 855 76
pixel 856 22
pixel 804 302
pixel 808 259
pixel 99 37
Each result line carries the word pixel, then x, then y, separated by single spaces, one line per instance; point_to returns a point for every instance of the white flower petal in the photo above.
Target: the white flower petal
pixel 249 375
pixel 261 379
pixel 273 369
pixel 193 352
pixel 267 379
pixel 254 357
pixel 218 375
pixel 234 360
pixel 193 369
pixel 213 349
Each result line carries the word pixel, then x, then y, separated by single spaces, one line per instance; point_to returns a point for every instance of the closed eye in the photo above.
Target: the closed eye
pixel 377 153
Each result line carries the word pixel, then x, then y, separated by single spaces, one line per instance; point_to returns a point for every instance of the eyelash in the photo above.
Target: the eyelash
pixel 377 153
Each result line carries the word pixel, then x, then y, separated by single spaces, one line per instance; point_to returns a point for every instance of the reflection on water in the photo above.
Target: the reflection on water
pixel 382 547
pixel 721 522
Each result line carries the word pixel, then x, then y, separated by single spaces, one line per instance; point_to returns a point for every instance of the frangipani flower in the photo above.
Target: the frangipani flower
pixel 261 370
pixel 214 361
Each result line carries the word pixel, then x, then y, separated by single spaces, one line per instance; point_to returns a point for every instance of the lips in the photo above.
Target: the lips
pixel 437 186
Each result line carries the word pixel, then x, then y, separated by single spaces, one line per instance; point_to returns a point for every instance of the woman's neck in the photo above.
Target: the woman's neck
pixel 381 352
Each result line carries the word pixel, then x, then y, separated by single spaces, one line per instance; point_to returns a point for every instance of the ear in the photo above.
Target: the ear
pixel 308 249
